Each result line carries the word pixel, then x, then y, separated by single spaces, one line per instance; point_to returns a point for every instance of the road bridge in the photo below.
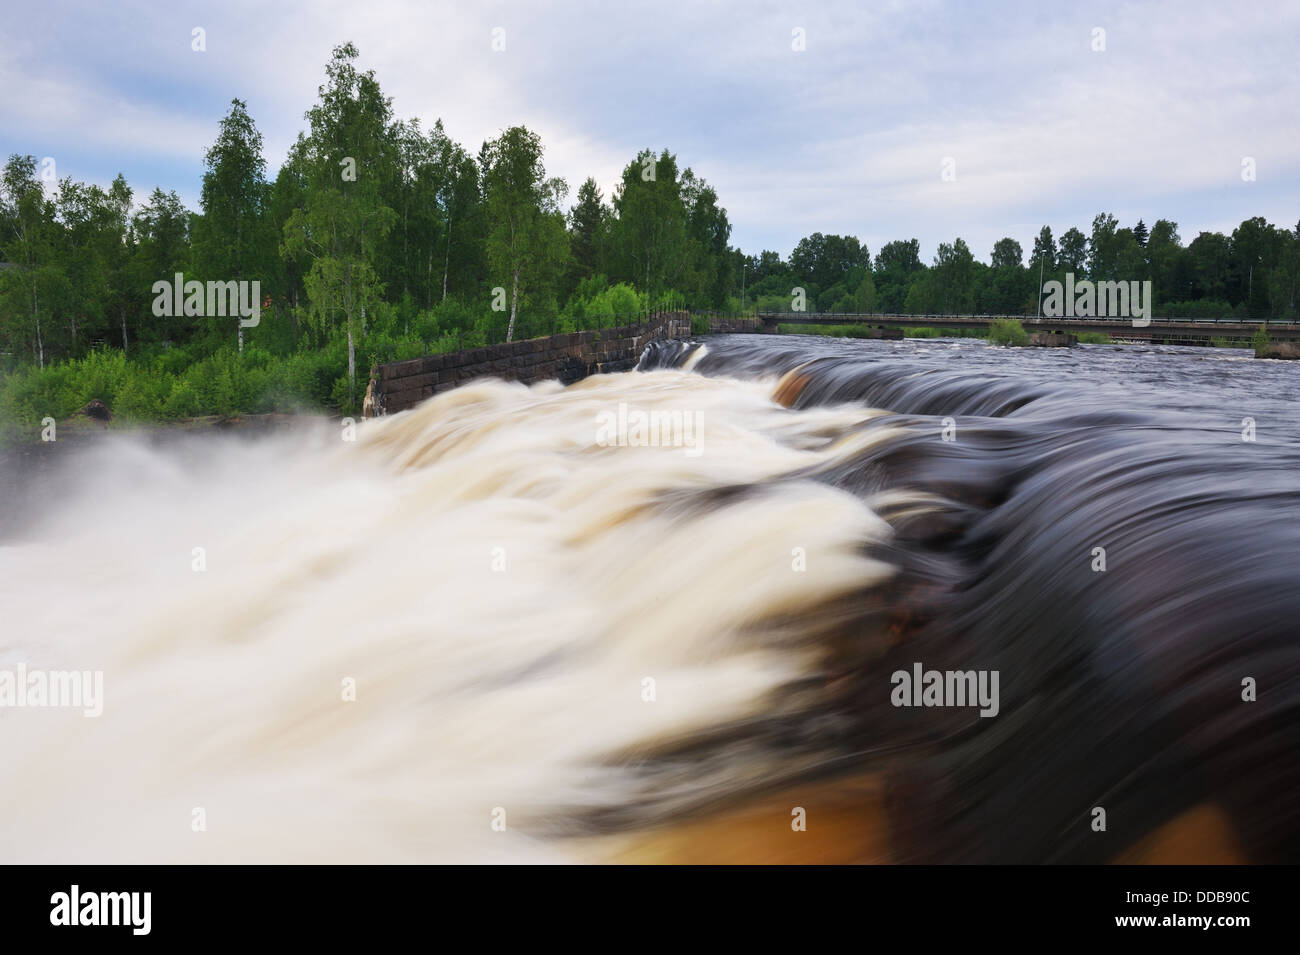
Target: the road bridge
pixel 1167 331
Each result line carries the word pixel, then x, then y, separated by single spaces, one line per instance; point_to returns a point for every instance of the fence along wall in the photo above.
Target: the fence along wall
pixel 571 357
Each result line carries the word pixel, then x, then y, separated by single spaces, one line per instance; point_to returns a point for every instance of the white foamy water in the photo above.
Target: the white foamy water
pixel 497 583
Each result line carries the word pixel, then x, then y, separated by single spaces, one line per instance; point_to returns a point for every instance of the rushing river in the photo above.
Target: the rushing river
pixel 658 615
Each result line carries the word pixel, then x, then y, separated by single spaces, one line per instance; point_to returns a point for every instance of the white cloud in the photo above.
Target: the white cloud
pixel 846 136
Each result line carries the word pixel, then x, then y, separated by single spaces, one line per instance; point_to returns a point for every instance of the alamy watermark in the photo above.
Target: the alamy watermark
pixel 213 300
pixel 1098 300
pixel 129 909
pixel 922 687
pixel 82 689
pixel 634 428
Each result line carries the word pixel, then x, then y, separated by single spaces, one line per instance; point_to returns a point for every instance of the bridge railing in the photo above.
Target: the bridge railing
pixel 920 320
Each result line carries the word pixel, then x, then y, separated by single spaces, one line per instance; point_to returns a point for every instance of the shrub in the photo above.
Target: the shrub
pixel 593 305
pixel 1259 341
pixel 175 360
pixel 770 303
pixel 183 402
pixel 141 397
pixel 101 374
pixel 1007 331
pixel 342 398
pixel 1230 343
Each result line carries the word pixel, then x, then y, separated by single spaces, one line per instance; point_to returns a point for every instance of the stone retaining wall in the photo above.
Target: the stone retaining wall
pixel 570 357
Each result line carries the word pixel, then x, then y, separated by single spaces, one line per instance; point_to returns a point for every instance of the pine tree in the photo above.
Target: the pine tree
pixel 588 221
pixel 1044 250
pixel 232 240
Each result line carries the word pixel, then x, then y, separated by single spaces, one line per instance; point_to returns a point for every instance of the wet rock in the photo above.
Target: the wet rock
pixel 1288 350
pixel 570 369
pixel 96 410
pixel 1053 339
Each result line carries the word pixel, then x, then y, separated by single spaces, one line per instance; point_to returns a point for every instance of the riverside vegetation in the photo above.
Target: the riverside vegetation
pixel 431 248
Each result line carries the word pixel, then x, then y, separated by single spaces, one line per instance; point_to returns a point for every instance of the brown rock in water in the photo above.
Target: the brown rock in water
pixel 97 411
pixel 790 387
pixel 1053 339
pixel 1281 350
pixel 570 369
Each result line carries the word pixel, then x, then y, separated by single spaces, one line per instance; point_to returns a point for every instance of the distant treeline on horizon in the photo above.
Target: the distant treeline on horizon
pixel 378 238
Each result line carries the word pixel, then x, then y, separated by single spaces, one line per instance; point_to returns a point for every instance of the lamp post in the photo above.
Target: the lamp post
pixel 1040 286
pixel 744 265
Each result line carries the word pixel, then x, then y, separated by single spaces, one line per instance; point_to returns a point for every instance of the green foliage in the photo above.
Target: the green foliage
pixel 829 331
pixel 448 316
pixel 1007 331
pixel 342 396
pixel 233 239
pixel 771 303
pixel 588 230
pixel 866 299
pixel 616 305
pixel 668 231
pixel 182 402
pixel 1218 342
pixel 527 243
pixel 823 259
pixel 1200 308
pixel 142 397
pixel 380 240
pixel 1007 254
pixel 31 394
pixel 597 305
pixel 161 387
pixel 61 389
pixel 1259 341
pixel 1094 338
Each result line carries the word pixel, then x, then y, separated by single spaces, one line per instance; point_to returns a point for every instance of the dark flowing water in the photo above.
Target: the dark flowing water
pixel 515 605
pixel 1183 466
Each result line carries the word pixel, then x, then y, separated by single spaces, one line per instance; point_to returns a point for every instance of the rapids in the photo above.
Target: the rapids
pixel 483 631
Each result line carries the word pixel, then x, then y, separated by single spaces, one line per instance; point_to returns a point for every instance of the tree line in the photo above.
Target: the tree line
pixel 1251 274
pixel 379 238
pixel 376 232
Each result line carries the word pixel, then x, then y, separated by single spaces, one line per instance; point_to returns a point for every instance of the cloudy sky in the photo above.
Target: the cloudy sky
pixel 847 135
